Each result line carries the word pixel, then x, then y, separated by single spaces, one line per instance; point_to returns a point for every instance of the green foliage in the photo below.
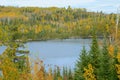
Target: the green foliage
pixel 94 54
pixel 70 75
pixel 107 66
pixel 65 73
pixel 82 62
pixel 103 64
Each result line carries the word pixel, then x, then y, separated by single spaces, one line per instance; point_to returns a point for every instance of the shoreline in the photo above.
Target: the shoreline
pixel 31 40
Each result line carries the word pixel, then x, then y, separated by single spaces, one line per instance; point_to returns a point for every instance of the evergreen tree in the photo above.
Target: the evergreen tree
pixel 70 75
pixel 107 69
pixel 55 74
pixel 82 62
pixel 94 54
pixel 65 73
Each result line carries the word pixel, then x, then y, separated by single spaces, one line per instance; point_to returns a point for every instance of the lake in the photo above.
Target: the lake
pixel 56 52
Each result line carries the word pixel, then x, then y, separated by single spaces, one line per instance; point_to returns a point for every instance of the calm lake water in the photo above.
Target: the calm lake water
pixel 56 52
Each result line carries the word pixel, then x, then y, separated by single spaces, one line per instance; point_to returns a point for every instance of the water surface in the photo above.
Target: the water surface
pixel 56 52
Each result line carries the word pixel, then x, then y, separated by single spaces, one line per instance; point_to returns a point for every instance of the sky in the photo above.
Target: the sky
pixel 107 6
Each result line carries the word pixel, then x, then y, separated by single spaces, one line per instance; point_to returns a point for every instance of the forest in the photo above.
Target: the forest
pixel 19 25
pixel 51 23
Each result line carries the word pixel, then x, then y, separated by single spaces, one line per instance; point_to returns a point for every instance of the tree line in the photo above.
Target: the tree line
pixel 35 23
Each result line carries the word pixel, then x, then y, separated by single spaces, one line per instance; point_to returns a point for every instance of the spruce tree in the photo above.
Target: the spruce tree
pixel 94 54
pixel 107 69
pixel 55 74
pixel 82 62
pixel 70 75
pixel 65 73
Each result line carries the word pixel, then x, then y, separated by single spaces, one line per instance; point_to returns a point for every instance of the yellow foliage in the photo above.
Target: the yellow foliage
pixel 118 57
pixel 88 27
pixel 38 29
pixel 113 21
pixel 1 33
pixel 111 50
pixel 38 73
pixel 50 76
pixel 48 27
pixel 9 14
pixel 118 70
pixel 88 74
pixel 118 65
pixel 25 18
pixel 25 76
pixel 59 78
pixel 9 70
pixel 23 29
pixel 53 30
pixel 107 28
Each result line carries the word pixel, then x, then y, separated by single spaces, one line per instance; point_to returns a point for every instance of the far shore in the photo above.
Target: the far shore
pixel 30 40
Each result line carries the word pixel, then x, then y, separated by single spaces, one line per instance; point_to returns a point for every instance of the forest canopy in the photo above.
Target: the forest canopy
pixel 50 23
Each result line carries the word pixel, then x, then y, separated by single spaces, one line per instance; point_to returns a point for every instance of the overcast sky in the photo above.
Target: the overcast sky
pixel 107 6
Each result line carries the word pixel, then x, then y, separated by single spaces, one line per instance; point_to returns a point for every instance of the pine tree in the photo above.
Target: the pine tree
pixel 80 65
